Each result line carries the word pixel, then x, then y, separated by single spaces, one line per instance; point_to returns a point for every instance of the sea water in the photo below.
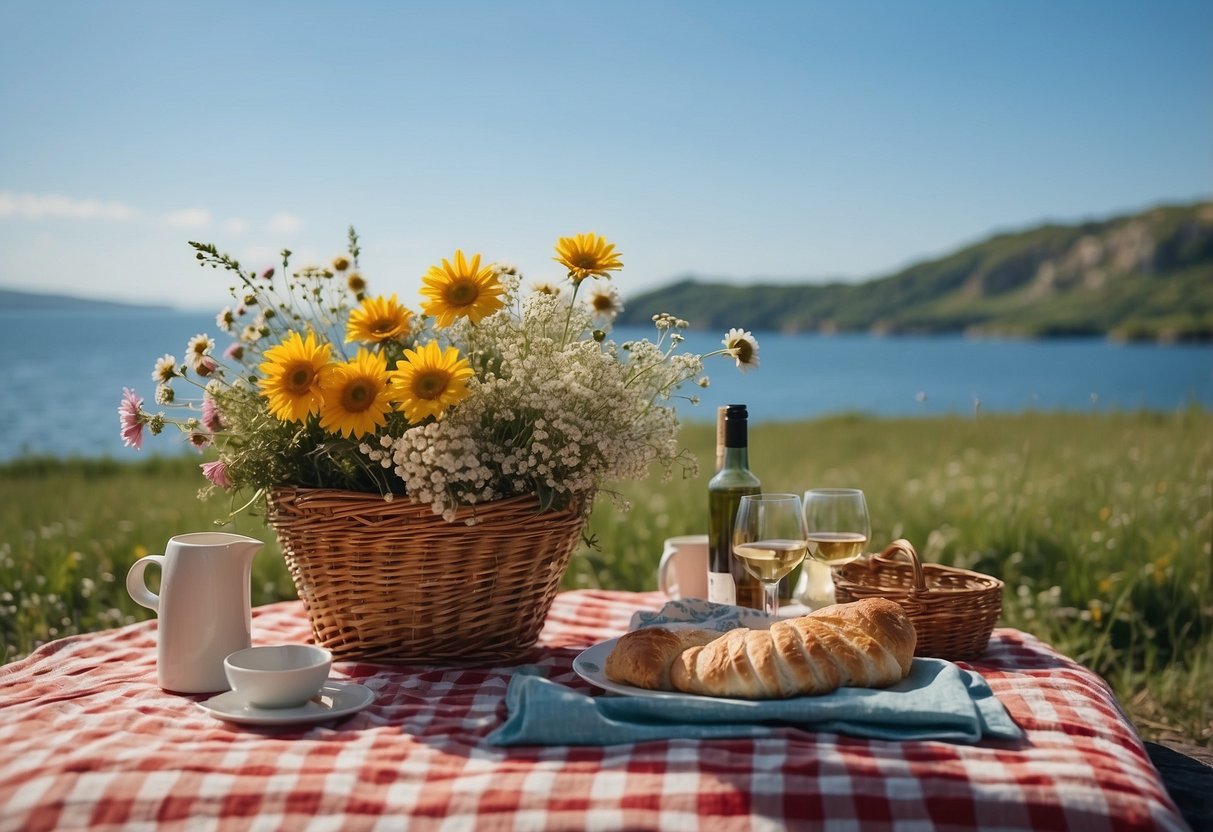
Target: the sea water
pixel 62 374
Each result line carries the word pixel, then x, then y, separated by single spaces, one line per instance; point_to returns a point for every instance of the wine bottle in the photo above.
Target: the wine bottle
pixel 728 581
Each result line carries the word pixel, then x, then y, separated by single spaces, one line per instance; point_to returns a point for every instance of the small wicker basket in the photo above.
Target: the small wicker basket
pixel 953 610
pixel 393 582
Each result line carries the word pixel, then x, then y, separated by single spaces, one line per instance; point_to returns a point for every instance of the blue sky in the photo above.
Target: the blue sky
pixel 785 141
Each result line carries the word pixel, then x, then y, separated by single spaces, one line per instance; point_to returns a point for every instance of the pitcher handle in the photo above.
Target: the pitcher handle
pixel 136 586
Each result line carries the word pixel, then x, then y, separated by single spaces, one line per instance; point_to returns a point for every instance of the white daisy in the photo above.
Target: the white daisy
pixel 743 346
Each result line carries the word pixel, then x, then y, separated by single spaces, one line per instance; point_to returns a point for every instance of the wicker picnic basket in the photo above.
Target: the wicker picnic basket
pixel 953 610
pixel 391 581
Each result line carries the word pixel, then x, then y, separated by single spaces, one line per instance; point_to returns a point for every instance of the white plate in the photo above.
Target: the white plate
pixel 335 700
pixel 590 665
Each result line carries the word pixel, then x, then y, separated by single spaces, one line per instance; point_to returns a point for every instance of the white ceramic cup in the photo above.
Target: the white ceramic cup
pixel 279 675
pixel 683 570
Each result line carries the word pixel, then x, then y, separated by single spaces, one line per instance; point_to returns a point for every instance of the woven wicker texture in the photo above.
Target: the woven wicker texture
pixel 393 582
pixel 953 610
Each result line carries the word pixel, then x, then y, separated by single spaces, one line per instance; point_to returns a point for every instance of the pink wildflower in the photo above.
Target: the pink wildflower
pixel 205 366
pixel 130 416
pixel 235 352
pixel 212 419
pixel 216 472
pixel 200 440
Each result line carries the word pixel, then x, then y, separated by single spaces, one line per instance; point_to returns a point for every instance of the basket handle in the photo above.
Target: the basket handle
pixel 905 547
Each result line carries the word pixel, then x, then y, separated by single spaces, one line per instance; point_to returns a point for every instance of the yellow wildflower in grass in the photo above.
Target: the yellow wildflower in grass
pixel 430 380
pixel 377 320
pixel 1095 610
pixel 291 382
pixel 587 255
pixel 356 397
pixel 462 290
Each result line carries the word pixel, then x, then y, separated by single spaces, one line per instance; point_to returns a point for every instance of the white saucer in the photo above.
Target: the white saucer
pixel 335 700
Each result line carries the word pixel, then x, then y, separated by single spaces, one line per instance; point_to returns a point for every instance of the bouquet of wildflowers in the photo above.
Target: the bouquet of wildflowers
pixel 490 390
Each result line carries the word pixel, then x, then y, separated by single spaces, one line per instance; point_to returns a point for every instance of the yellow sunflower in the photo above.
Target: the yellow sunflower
pixel 356 398
pixel 291 382
pixel 587 255
pixel 461 290
pixel 430 380
pixel 377 320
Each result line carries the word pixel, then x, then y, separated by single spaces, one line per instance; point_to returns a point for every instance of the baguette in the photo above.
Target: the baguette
pixel 867 643
pixel 642 658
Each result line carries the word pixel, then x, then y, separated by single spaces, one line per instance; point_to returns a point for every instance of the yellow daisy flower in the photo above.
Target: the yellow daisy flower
pixel 461 290
pixel 291 382
pixel 587 255
pixel 356 397
pixel 430 380
pixel 377 320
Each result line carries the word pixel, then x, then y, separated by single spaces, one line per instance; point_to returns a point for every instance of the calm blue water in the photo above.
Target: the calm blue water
pixel 62 374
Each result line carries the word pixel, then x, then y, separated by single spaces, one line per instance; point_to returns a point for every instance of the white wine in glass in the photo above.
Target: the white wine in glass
pixel 837 523
pixel 769 540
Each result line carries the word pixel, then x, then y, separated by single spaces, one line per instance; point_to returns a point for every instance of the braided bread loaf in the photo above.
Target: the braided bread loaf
pixel 642 658
pixel 868 643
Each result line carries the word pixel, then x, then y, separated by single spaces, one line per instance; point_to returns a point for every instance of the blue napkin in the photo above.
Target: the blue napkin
pixel 937 701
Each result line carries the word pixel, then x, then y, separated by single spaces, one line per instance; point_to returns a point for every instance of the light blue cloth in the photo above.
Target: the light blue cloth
pixel 937 701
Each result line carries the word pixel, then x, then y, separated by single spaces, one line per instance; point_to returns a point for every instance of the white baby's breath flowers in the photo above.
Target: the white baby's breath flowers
pixel 550 412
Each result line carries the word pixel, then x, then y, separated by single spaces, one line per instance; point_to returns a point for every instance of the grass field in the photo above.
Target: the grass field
pixel 1101 526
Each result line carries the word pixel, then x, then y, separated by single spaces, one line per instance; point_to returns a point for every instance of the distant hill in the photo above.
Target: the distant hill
pixel 1144 276
pixel 12 300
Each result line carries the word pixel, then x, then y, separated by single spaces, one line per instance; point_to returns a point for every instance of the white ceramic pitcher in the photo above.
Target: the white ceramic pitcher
pixel 204 606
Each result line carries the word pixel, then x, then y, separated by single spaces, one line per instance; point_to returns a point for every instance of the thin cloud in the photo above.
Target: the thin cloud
pixel 32 206
pixel 55 206
pixel 285 223
pixel 188 218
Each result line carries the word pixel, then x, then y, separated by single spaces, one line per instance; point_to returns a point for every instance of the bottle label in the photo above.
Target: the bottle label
pixel 721 589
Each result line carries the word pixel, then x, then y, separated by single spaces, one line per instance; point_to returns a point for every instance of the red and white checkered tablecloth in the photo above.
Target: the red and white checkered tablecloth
pixel 88 740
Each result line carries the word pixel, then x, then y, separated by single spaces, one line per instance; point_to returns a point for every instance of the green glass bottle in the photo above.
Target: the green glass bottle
pixel 728 582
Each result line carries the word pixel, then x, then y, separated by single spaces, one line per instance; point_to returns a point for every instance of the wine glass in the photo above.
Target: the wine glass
pixel 837 525
pixel 769 539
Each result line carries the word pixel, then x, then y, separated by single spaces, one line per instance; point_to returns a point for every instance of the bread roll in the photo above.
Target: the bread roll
pixel 642 658
pixel 868 643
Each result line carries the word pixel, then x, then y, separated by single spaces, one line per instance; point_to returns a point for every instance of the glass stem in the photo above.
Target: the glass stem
pixel 770 598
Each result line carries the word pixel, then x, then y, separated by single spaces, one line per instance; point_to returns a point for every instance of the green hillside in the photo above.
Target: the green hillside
pixel 1143 276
